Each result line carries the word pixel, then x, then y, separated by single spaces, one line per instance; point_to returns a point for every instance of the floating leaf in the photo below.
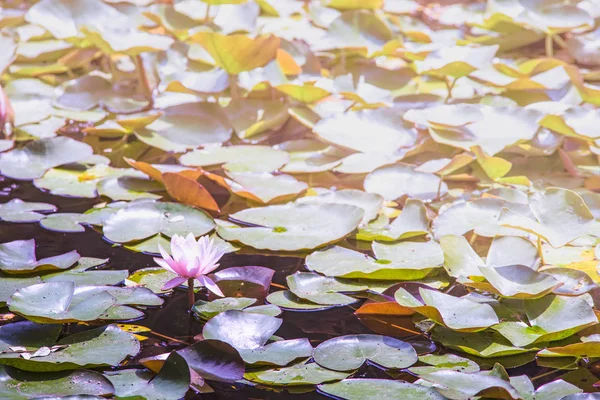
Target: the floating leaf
pixel 17 210
pixel 296 375
pixel 561 216
pixel 33 160
pixel 403 261
pixel 292 226
pixel 349 352
pixel 104 346
pixel 18 257
pixel 459 314
pixel 151 218
pixel 237 158
pixel 238 53
pixel 171 383
pixel 395 181
pixel 21 385
pixel 389 131
pixel 365 389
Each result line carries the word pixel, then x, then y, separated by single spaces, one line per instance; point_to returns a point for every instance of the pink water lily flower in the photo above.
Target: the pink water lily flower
pixel 191 260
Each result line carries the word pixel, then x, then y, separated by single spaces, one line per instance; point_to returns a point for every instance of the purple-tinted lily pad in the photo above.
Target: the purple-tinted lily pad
pixel 18 257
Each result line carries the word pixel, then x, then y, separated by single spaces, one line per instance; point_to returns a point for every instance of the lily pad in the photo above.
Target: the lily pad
pixel 238 158
pixel 35 158
pixel 17 210
pixel 459 314
pixel 104 346
pixel 402 261
pixel 171 383
pixel 18 257
pixel 366 389
pixel 22 385
pixel 395 181
pixel 151 218
pixel 55 302
pixel 292 226
pixel 296 375
pixel 346 353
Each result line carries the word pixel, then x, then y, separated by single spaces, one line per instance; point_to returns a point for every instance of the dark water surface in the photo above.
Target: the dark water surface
pixel 173 326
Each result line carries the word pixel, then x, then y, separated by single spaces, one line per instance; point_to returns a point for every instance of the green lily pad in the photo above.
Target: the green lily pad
pixel 369 202
pixel 241 330
pixel 171 383
pixel 292 226
pixel 412 222
pixel 481 344
pixel 402 261
pixel 322 290
pixel 295 375
pixel 18 257
pixel 33 160
pixel 214 360
pixel 22 385
pixel 17 210
pixel 460 314
pixel 459 257
pixel 279 353
pixel 104 346
pixel 28 334
pixel 238 158
pixel 560 216
pixel 518 281
pixel 389 131
pixel 142 220
pixel 444 362
pixel 209 309
pixel 346 353
pixel 287 300
pixel 395 181
pixel 551 318
pixel 366 389
pixel 471 384
pixel 187 126
pixel 54 302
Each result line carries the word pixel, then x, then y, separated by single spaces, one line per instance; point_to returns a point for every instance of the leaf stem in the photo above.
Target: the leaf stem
pixel 233 88
pixel 144 80
pixel 191 295
pixel 207 15
pixel 449 85
pixel 549 46
pixel 540 249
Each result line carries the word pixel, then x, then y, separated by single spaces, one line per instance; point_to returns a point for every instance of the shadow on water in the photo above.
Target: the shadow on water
pixel 173 325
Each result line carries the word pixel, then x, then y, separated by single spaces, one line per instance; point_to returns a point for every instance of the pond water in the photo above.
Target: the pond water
pixel 173 328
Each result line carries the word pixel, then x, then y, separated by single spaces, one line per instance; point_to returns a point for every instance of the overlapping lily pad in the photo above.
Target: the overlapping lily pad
pixel 291 226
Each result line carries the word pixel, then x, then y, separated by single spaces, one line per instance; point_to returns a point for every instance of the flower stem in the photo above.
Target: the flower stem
pixel 191 296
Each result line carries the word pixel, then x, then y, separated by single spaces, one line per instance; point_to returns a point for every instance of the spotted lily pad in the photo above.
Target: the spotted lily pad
pixel 171 383
pixel 346 353
pixel 55 302
pixel 295 375
pixel 292 226
pixel 368 388
pixel 151 218
pixel 104 346
pixel 21 385
pixel 403 261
